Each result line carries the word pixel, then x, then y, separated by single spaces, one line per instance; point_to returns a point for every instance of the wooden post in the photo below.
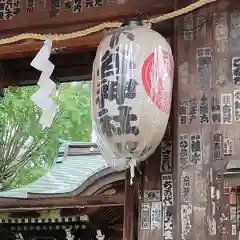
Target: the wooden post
pixel 129 218
pixel 207 135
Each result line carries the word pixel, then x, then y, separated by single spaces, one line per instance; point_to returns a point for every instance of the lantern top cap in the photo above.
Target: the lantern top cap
pixel 135 21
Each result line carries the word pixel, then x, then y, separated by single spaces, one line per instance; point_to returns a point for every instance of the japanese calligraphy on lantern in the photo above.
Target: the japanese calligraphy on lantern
pixel 192 109
pixel 216 110
pixel 183 112
pixel 167 190
pixel 221 26
pixel 156 215
pixel 196 149
pixel 204 110
pixel 204 68
pixel 167 224
pixel 217 146
pixel 236 96
pixel 118 91
pixel 236 70
pixel 184 150
pixel 201 22
pixel 188 27
pixel 228 145
pixel 152 195
pixel 186 220
pixel 235 31
pixel 226 108
pixel 186 186
pixel 145 216
pixel 166 156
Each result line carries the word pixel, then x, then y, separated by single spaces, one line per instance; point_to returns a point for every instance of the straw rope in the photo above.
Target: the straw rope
pixel 100 27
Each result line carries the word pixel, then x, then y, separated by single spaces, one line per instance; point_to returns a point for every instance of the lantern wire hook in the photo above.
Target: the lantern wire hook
pixel 132 165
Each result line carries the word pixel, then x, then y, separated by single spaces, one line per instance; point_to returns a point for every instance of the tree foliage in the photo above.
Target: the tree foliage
pixel 26 150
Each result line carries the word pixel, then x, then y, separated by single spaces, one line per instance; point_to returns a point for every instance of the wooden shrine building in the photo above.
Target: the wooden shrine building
pixel 79 196
pixel 187 190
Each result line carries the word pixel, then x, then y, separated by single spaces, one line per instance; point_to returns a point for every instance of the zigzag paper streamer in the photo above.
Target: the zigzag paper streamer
pixel 43 98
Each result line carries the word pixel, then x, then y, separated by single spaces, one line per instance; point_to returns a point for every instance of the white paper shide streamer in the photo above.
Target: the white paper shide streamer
pixel 43 98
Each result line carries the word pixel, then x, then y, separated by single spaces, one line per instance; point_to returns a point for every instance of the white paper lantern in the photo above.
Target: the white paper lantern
pixel 132 92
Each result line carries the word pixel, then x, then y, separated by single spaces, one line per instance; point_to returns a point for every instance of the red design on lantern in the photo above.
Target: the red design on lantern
pixel 152 69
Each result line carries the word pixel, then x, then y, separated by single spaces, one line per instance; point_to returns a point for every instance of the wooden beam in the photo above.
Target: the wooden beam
pixel 19 204
pixel 67 66
pixel 66 22
pixel 40 18
pixel 31 47
pixel 69 59
pixel 31 76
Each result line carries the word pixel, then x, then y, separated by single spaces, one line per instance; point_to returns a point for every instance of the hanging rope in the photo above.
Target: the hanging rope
pixel 100 27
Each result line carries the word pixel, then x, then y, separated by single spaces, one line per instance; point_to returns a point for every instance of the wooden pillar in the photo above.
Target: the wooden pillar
pixel 208 63
pixel 129 218
pixel 151 182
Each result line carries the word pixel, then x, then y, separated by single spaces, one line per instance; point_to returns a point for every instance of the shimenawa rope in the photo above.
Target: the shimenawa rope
pixel 100 27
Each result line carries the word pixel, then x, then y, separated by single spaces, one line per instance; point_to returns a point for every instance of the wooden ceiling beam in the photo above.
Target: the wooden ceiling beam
pixel 31 47
pixel 67 22
pixel 18 204
pixel 67 66
pixel 30 77
pixel 68 59
pixel 6 74
pixel 29 21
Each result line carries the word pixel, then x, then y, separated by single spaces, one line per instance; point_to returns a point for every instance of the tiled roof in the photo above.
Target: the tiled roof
pixel 66 175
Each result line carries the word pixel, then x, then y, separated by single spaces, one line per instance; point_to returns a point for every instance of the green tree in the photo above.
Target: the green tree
pixel 26 150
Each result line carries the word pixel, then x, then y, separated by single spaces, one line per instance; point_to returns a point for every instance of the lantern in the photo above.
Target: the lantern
pixel 132 91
